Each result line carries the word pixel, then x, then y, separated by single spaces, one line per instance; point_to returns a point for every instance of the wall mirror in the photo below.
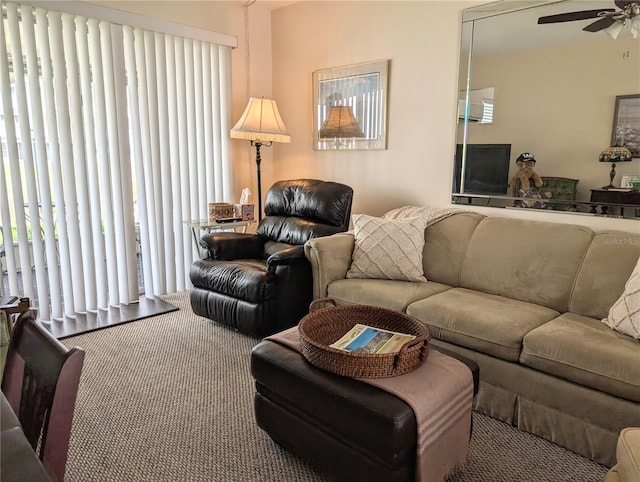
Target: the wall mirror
pixel 555 86
pixel 478 107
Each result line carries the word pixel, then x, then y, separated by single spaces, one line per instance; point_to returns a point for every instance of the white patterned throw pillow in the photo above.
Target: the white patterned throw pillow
pixel 387 248
pixel 624 315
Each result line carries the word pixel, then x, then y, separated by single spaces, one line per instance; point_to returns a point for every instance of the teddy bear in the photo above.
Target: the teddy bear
pixel 525 162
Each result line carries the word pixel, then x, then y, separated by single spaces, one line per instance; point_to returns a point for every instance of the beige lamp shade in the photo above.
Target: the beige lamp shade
pixel 340 122
pixel 261 122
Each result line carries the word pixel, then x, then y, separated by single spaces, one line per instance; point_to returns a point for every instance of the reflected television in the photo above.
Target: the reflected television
pixel 486 169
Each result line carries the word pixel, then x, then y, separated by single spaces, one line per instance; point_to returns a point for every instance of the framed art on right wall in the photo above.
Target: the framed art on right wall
pixel 626 123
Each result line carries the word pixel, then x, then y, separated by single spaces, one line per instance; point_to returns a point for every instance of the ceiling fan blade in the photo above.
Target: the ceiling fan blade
pixel 599 24
pixel 571 16
pixel 623 3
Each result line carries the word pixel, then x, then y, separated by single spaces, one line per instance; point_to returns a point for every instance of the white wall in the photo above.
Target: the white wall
pixel 421 38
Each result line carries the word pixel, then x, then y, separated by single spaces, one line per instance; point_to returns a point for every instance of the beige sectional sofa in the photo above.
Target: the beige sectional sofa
pixel 524 300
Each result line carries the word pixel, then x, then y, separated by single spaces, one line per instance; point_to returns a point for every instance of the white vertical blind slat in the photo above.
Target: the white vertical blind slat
pixel 214 164
pixel 104 104
pixel 209 186
pixel 224 69
pixel 179 229
pixel 198 122
pixel 125 228
pixel 121 177
pixel 86 30
pixel 5 222
pixel 153 161
pixel 86 283
pixel 138 158
pixel 169 277
pixel 195 210
pixel 102 197
pixel 69 208
pixel 183 159
pixel 146 194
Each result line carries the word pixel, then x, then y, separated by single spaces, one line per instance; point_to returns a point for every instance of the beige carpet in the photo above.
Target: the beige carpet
pixel 170 398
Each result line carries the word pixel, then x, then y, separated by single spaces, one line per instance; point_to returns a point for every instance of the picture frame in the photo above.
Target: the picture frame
pixel 629 181
pixel 626 123
pixel 350 107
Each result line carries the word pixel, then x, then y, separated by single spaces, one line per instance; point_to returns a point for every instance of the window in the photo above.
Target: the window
pixel 127 134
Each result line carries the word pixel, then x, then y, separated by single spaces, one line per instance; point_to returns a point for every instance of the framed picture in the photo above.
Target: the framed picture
pixel 630 182
pixel 626 123
pixel 350 107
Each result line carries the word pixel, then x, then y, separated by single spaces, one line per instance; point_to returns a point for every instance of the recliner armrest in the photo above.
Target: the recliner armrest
pixel 230 246
pixel 288 256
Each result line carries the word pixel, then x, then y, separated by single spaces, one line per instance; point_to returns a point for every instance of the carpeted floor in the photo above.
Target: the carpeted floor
pixel 170 398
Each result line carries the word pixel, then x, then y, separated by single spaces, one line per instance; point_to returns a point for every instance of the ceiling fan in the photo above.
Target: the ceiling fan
pixel 606 17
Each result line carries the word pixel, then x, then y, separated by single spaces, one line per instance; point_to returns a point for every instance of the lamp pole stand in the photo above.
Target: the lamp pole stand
pixel 612 175
pixel 258 145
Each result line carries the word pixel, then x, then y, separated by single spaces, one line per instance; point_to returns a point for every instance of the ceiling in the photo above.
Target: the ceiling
pixel 503 29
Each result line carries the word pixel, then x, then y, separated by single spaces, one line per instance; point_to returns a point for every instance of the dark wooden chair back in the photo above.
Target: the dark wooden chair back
pixel 40 381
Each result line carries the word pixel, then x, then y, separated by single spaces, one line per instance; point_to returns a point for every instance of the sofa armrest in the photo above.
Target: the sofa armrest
pixel 330 259
pixel 230 246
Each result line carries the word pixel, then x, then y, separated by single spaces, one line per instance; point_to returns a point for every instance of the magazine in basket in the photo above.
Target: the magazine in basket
pixel 367 339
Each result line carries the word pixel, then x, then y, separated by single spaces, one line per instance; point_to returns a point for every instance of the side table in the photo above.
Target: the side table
pixel 197 225
pixel 605 197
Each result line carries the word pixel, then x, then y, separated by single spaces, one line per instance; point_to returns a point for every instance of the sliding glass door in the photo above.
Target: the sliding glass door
pixel 112 135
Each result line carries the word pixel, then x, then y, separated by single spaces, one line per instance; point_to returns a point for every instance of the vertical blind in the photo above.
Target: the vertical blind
pixel 112 136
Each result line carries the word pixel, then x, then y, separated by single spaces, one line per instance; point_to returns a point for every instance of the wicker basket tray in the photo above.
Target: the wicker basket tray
pixel 323 326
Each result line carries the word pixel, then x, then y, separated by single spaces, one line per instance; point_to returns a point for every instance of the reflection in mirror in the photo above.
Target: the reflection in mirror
pixel 477 107
pixel 557 87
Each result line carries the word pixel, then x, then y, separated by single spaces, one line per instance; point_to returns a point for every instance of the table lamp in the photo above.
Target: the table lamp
pixel 613 155
pixel 261 124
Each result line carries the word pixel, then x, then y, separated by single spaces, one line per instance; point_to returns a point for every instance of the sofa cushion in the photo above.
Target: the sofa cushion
pixel 606 267
pixel 392 294
pixel 445 245
pixel 624 315
pixel 491 324
pixel 530 261
pixel 585 351
pixel 387 248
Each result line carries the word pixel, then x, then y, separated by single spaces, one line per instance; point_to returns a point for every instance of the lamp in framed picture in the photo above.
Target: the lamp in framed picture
pixel 341 127
pixel 350 107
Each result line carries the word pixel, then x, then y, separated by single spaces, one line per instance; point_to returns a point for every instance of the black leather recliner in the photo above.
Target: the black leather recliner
pixel 261 283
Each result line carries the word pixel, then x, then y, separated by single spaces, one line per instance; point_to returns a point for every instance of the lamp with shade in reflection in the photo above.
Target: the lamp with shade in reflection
pixel 613 155
pixel 340 124
pixel 261 124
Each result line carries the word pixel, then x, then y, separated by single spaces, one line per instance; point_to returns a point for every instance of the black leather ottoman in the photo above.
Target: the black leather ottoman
pixel 346 428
